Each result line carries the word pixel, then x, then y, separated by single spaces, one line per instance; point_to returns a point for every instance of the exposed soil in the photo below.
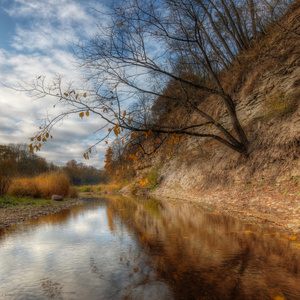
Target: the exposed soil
pixel 273 208
pixel 13 215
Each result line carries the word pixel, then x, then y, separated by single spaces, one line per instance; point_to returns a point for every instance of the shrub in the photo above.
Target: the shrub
pixel 42 186
pixel 24 187
pixel 53 183
pixel 73 193
pixel 153 178
pixel 279 104
pixel 4 184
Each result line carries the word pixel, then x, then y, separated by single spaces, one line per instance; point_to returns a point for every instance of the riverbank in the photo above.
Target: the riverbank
pixel 275 208
pixel 14 214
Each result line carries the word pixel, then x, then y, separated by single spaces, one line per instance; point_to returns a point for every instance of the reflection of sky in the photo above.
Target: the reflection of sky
pixel 81 258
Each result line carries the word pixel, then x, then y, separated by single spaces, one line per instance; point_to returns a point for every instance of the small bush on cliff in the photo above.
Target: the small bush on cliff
pixel 279 104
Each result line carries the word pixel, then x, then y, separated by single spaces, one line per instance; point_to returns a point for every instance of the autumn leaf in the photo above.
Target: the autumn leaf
pixel 121 24
pixel 76 96
pixel 39 138
pixel 81 115
pixel 87 113
pixel 47 135
pixel 66 94
pixel 84 95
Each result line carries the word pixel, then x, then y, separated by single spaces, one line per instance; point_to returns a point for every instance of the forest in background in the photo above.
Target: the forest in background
pixel 17 162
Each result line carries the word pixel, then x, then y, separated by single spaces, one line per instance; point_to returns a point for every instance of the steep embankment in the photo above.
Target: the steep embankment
pixel 265 187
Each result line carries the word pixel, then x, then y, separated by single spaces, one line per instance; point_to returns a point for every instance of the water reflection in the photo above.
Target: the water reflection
pixel 208 256
pixel 121 248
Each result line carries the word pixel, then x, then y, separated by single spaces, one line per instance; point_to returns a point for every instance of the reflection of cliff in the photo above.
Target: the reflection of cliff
pixel 209 256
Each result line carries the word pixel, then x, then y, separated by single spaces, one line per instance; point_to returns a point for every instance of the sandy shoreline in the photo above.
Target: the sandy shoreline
pixel 272 209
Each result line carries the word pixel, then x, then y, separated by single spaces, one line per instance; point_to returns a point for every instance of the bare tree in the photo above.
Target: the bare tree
pixel 144 46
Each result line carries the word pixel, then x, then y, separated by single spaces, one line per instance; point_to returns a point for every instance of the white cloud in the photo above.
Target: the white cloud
pixel 41 46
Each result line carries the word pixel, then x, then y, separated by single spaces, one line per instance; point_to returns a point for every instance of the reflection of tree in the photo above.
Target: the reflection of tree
pixel 110 219
pixel 207 256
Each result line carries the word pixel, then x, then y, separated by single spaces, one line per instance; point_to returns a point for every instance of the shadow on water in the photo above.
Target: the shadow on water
pixel 122 248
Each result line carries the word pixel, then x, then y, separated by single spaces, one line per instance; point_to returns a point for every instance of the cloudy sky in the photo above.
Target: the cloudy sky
pixel 36 37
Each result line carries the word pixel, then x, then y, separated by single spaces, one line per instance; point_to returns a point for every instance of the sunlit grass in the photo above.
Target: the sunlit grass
pixel 43 186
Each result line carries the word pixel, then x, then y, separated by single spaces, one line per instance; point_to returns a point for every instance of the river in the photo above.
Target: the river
pixel 123 248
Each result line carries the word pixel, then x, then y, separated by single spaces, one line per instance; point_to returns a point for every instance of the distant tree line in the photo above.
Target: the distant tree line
pixel 17 161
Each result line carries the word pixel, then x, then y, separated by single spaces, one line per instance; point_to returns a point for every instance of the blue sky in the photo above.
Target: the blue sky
pixel 35 39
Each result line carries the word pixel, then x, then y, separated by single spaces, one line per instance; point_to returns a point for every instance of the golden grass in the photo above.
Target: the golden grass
pixel 42 186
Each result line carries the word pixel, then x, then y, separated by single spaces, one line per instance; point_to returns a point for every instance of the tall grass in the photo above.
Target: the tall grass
pixel 43 186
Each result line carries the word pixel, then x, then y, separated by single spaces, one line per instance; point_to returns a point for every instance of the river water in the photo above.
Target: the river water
pixel 121 248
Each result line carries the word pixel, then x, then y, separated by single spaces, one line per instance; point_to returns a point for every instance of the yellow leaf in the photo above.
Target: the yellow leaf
pixel 81 115
pixel 87 113
pixel 39 138
pixel 124 113
pixel 248 232
pixel 31 139
pixel 170 154
pixel 40 145
pixel 76 96
pixel 90 150
pixel 84 95
pixel 129 122
pixel 66 94
pixel 121 24
pixel 151 6
pixel 47 135
pixel 106 142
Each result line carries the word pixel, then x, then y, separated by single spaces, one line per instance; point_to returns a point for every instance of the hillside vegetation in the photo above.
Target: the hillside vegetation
pixel 265 85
